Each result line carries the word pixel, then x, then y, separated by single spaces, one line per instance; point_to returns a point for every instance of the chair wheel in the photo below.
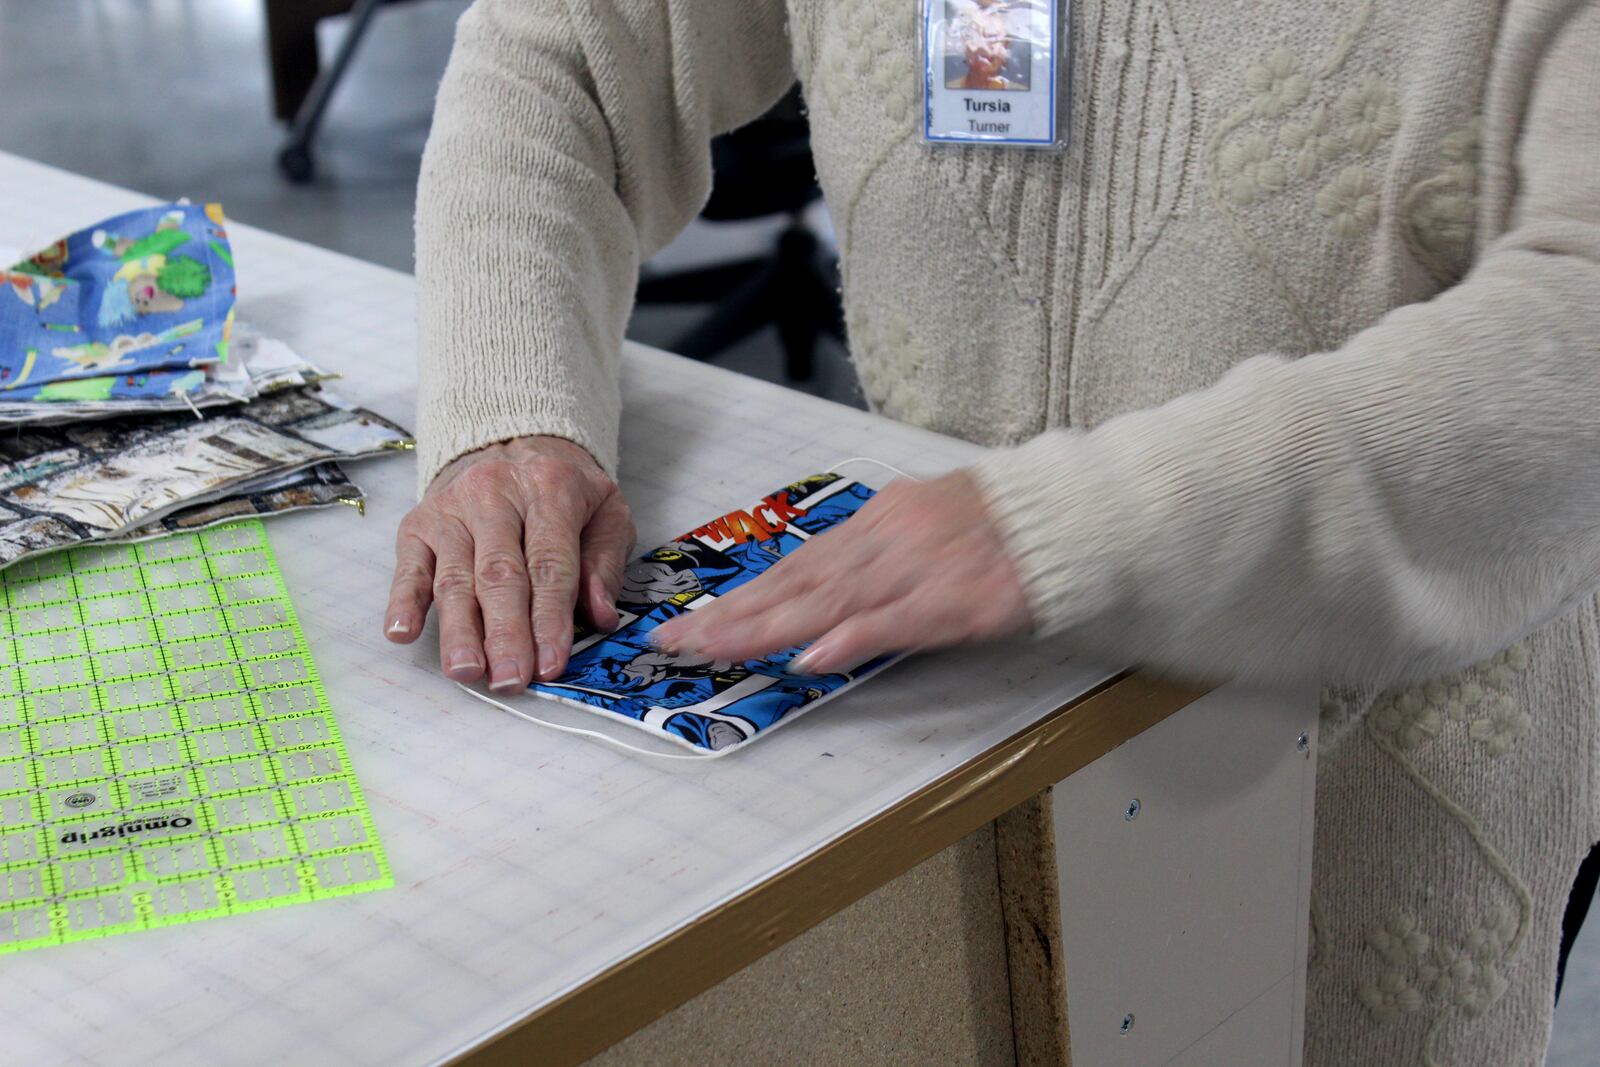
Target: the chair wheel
pixel 295 163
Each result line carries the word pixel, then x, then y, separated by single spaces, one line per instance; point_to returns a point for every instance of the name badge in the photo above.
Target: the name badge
pixel 994 72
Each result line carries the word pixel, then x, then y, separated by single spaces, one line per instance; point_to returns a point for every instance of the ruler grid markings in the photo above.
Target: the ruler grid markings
pixel 179 756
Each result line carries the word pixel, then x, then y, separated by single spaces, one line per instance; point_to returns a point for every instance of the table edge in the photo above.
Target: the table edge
pixel 634 992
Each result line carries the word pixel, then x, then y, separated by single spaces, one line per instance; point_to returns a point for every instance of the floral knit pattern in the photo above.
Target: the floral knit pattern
pixel 1350 202
pixel 850 56
pixel 1315 141
pixel 1277 84
pixel 1415 972
pixel 1304 122
pixel 1369 113
pixel 1479 697
pixel 1439 213
pixel 1249 170
pixel 853 58
pixel 889 364
pixel 1251 163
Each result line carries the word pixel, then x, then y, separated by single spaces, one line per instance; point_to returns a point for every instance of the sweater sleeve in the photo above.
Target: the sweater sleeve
pixel 571 139
pixel 1398 508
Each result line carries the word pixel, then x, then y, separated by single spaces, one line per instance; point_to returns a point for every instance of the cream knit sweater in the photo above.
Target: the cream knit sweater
pixel 1303 338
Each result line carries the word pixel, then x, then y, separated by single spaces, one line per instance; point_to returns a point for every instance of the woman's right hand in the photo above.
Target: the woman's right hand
pixel 505 544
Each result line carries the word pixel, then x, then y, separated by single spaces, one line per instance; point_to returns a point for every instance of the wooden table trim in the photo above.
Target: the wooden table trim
pixel 635 992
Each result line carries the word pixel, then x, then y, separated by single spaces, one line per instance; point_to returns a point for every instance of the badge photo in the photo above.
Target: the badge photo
pixel 994 72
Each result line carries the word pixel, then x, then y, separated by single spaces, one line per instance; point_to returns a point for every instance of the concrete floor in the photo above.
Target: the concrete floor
pixel 170 97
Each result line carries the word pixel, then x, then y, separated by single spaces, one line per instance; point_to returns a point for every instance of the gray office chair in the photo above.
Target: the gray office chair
pixel 294 158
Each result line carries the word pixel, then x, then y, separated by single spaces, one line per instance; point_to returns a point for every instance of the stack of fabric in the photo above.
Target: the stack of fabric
pixel 135 402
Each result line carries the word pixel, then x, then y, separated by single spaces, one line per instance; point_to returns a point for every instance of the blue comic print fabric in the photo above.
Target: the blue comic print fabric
pixel 126 309
pixel 705 704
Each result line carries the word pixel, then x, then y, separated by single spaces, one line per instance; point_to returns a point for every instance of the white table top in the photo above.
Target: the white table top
pixel 526 861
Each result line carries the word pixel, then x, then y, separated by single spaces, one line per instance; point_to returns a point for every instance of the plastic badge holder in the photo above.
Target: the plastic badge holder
pixel 995 72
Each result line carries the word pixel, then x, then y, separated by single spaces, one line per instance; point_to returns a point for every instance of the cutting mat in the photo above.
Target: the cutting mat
pixel 167 752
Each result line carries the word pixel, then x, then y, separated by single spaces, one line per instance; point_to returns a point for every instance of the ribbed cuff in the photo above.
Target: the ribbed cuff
pixel 1057 517
pixel 465 420
pixel 434 454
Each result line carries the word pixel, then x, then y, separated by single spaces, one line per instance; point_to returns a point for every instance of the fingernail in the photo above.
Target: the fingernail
pixel 462 661
pixel 503 677
pixel 547 665
pixel 803 663
pixel 605 604
pixel 399 625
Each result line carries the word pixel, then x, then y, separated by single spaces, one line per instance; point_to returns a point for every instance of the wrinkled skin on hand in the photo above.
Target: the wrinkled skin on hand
pixel 921 565
pixel 505 546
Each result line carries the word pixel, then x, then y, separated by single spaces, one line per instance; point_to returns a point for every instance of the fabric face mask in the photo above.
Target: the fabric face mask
pixel 711 707
pixel 128 308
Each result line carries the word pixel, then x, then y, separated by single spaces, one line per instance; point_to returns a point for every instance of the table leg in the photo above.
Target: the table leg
pixel 1184 865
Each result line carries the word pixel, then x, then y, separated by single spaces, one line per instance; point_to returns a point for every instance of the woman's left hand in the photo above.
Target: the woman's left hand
pixel 921 565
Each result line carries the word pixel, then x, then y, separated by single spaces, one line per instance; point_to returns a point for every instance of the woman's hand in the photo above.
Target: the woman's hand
pixel 919 566
pixel 504 544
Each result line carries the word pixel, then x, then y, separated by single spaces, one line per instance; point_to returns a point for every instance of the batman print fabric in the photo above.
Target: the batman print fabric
pixel 709 705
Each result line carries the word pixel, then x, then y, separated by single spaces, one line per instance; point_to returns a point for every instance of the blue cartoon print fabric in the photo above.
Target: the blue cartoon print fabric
pixel 709 705
pixel 129 308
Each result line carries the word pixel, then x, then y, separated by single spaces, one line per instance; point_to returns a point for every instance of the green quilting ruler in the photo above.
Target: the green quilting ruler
pixel 167 752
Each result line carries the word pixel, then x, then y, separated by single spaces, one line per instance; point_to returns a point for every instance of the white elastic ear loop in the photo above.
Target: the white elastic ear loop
pixel 508 709
pixel 876 463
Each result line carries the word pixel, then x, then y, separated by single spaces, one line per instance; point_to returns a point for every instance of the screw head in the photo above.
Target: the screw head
pixel 1303 742
pixel 1131 812
pixel 1127 1023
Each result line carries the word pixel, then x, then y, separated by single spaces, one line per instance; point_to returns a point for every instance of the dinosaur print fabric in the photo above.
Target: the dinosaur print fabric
pixel 133 307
